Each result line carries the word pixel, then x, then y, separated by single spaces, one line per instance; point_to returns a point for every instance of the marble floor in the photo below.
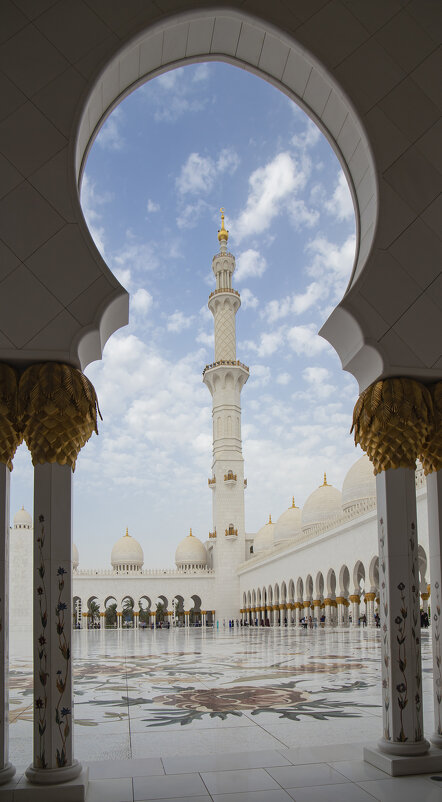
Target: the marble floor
pixel 263 714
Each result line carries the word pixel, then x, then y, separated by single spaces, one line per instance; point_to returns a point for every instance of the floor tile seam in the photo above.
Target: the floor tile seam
pixel 205 786
pixel 262 727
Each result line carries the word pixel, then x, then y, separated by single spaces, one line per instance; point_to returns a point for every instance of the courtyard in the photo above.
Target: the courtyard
pixel 234 714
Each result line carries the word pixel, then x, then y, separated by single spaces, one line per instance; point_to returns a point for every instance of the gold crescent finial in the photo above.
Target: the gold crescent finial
pixel 270 518
pixel 293 503
pixel 325 480
pixel 222 233
pixel 190 533
pixel 127 532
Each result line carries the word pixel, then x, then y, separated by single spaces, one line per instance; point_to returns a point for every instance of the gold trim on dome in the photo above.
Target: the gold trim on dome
pixel 392 420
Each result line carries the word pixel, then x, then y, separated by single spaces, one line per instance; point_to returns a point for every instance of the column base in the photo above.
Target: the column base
pixel 401 765
pixel 73 790
pixel 436 740
pixel 53 776
pixel 6 773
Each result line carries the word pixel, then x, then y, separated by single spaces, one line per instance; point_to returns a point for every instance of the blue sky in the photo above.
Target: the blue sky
pixel 172 153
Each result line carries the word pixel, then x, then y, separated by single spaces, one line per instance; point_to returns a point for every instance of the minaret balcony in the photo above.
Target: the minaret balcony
pixel 230 478
pixel 212 482
pixel 231 532
pixel 212 534
pixel 224 289
pixel 233 362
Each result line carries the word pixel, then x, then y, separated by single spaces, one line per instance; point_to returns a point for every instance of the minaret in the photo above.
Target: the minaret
pixel 225 378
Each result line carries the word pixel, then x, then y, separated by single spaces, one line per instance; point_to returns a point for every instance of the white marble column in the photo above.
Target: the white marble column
pixel 355 600
pixel 369 604
pixel 434 505
pixel 187 618
pixel 298 612
pixel 7 770
pixel 340 603
pixel 53 760
pixel 399 603
pixel 328 613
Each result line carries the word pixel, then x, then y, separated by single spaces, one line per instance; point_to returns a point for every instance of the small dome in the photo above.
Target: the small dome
pixel 325 502
pixel 359 483
pixel 127 554
pixel 22 519
pixel 75 557
pixel 264 538
pixel 191 553
pixel 288 524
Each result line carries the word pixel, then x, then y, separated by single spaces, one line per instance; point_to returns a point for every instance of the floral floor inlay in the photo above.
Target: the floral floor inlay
pixel 144 693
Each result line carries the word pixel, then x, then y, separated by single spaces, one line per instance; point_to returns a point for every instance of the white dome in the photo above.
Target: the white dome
pixel 288 524
pixel 75 557
pixel 22 519
pixel 191 553
pixel 264 538
pixel 325 502
pixel 359 484
pixel 127 554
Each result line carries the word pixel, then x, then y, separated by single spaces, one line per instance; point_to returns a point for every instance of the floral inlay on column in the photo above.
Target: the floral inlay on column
pixel 41 701
pixel 62 713
pixel 437 679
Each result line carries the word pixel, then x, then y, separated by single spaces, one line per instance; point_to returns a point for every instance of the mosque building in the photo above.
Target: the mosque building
pixel 319 561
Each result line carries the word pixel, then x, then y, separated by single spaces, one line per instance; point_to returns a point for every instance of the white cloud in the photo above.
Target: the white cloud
pixel 228 161
pixel 269 186
pixel 269 342
pixel 152 206
pixel 135 255
pixel 141 301
pixel 318 379
pixel 204 338
pixel 259 375
pixel 91 202
pixel 178 321
pixel 283 378
pixel 308 138
pixel 301 216
pixel 190 214
pixel 249 264
pixel 110 136
pixel 202 72
pixel 197 175
pixel 340 204
pixel 295 304
pixel 305 341
pixel 248 300
pixel 332 263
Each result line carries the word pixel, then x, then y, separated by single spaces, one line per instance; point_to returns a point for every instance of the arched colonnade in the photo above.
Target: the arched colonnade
pixel 116 611
pixel 338 597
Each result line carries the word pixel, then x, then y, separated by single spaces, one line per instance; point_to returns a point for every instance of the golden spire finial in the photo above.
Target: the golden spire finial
pixel 190 533
pixel 294 507
pixel 270 518
pixel 127 532
pixel 222 233
pixel 325 480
